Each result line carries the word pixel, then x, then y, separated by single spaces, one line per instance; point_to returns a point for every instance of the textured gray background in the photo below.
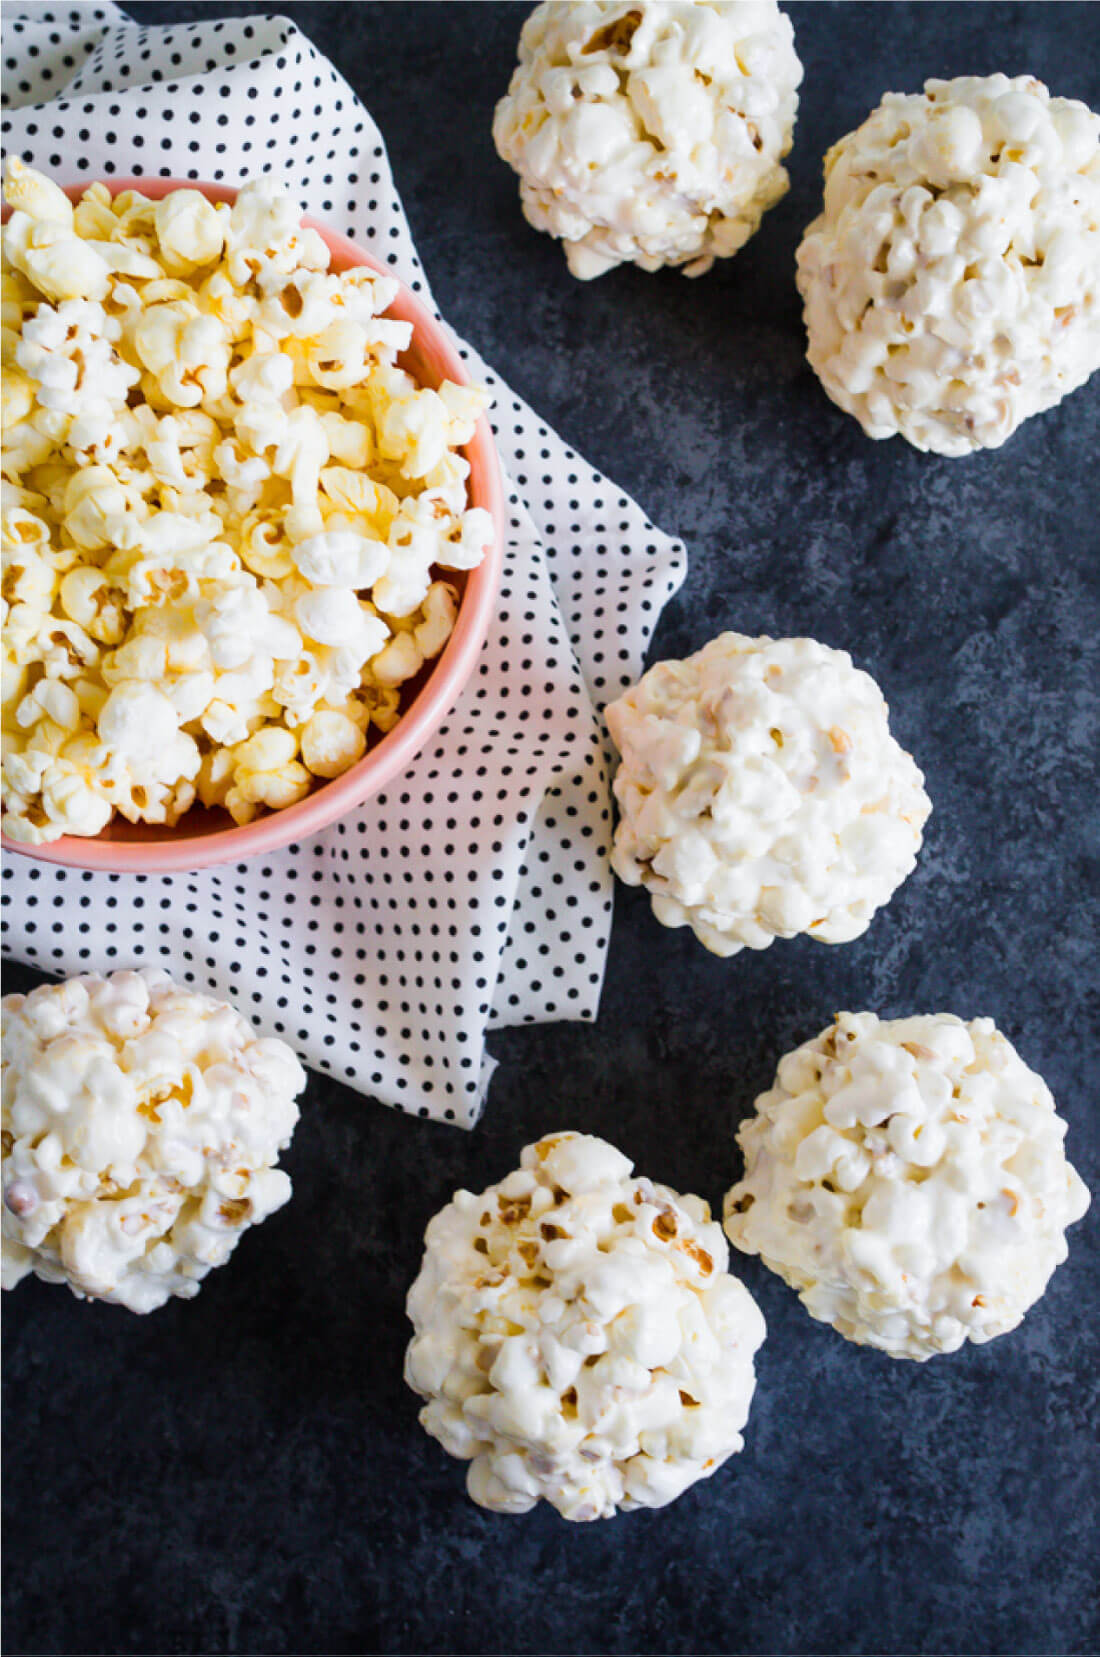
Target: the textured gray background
pixel 246 1473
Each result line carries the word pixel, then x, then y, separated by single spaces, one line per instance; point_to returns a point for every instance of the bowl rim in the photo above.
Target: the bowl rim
pixel 396 750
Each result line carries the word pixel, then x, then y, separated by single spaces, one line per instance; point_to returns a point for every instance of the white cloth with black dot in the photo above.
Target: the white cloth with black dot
pixel 476 892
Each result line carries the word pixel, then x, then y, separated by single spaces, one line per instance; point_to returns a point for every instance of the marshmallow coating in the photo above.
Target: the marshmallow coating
pixel 761 793
pixel 141 1127
pixel 952 282
pixel 908 1178
pixel 651 132
pixel 578 1338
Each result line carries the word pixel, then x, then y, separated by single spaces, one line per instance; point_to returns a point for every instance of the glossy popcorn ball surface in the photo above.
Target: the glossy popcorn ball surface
pixel 651 131
pixel 952 281
pixel 141 1127
pixel 908 1178
pixel 761 793
pixel 578 1338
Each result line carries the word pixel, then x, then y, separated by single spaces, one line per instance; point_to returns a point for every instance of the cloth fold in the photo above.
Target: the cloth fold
pixel 476 891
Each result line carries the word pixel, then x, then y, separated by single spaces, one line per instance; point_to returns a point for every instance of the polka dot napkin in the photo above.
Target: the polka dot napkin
pixel 476 892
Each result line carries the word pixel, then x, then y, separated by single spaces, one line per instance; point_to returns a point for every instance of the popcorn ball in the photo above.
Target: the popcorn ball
pixel 650 131
pixel 907 1177
pixel 761 793
pixel 142 1124
pixel 228 515
pixel 952 283
pixel 578 1337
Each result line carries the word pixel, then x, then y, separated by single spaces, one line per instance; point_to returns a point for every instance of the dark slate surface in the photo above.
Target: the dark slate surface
pixel 245 1473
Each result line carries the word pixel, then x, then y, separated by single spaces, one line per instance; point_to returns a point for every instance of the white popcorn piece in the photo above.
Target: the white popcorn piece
pixel 298 686
pixel 229 723
pixel 142 656
pixel 96 508
pixel 907 1177
pixel 761 793
pixel 264 377
pixel 67 353
pixel 265 547
pixel 61 647
pixel 136 214
pixel 352 494
pixel 238 627
pixel 349 442
pixel 334 616
pixel 339 558
pixel 467 541
pixel 578 1338
pixel 414 546
pixel 59 263
pixel 267 774
pixel 125 259
pixel 331 743
pixel 221 297
pixel 190 231
pixel 180 449
pixel 94 215
pixel 265 233
pixel 25 447
pixel 465 404
pixel 650 131
pixel 30 192
pixel 400 659
pixel 215 776
pixel 49 699
pixel 446 483
pixel 300 305
pixel 339 357
pixel 28 578
pixel 198 507
pixel 138 723
pixel 413 430
pixel 88 597
pixel 440 610
pixel 301 452
pixel 952 282
pixel 186 351
pixel 142 1124
pixel 73 802
pixel 16 391
pixel 342 669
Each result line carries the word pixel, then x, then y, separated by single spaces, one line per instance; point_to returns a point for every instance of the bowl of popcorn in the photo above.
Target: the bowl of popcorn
pixel 251 523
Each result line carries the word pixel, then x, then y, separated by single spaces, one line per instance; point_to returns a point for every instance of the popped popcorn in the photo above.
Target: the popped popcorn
pixel 141 1126
pixel 907 1177
pixel 225 508
pixel 761 793
pixel 952 282
pixel 650 131
pixel 331 741
pixel 578 1337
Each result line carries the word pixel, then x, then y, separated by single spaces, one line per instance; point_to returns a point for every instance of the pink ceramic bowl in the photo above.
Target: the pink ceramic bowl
pixel 203 837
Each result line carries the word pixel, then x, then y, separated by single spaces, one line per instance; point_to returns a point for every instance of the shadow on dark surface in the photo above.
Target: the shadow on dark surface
pixel 245 1473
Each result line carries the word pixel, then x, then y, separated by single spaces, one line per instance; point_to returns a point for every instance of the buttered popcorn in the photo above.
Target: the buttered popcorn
pixel 578 1337
pixel 141 1127
pixel 952 282
pixel 651 131
pixel 228 514
pixel 762 794
pixel 908 1178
